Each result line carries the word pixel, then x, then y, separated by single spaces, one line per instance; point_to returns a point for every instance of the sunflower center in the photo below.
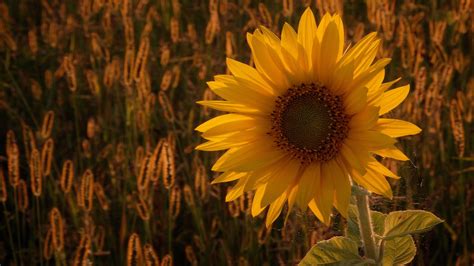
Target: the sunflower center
pixel 309 122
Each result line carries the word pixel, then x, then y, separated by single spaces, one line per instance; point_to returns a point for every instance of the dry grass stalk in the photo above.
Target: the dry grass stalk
pixel 47 126
pixel 57 229
pixel 101 197
pixel 457 126
pixel 168 164
pixel 100 238
pixel 22 196
pixel 165 55
pixel 29 139
pixel 143 178
pixel 166 106
pixel 141 59
pixel 175 201
pixel 134 251
pixel 13 157
pixel 150 256
pixel 83 251
pixel 288 8
pixel 167 260
pixel 174 29
pixel 67 176
pixel 142 209
pixel 188 196
pixel 36 173
pixel 70 71
pixel 166 80
pixel 48 245
pixel 86 191
pixel 234 209
pixel 3 187
pixel 190 255
pixel 201 183
pixel 47 156
pixel 93 82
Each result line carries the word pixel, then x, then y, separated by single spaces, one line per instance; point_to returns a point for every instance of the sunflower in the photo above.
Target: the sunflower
pixel 305 122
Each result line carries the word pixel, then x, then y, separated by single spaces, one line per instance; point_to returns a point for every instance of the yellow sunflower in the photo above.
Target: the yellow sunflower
pixel 305 121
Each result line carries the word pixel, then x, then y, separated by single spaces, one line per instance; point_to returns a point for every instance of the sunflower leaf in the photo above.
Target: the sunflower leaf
pixel 399 250
pixel 402 223
pixel 352 231
pixel 335 251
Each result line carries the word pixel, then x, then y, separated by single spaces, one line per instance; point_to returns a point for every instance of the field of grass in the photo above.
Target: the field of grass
pixel 97 102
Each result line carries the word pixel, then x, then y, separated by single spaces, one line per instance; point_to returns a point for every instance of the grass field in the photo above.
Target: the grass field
pixel 97 102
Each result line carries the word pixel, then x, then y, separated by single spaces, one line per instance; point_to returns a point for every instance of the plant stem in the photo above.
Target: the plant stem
pixel 365 227
pixel 9 233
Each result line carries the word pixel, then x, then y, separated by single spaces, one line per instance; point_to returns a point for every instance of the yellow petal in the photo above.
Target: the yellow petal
pixel 221 133
pixel 292 193
pixel 392 152
pixel 385 86
pixel 227 177
pixel 307 31
pixel 374 182
pixel 308 185
pixel 249 73
pixel 316 59
pixel 317 212
pixel 374 85
pixel 366 57
pixel 365 119
pixel 330 44
pixel 393 98
pixel 325 194
pixel 279 181
pixel 380 168
pixel 351 160
pixel 257 201
pixel 357 52
pixel 270 37
pixel 342 187
pixel 217 146
pixel 323 25
pixel 396 128
pixel 355 101
pixel 373 140
pixel 260 176
pixel 227 106
pixel 340 30
pixel 232 122
pixel 294 56
pixel 343 75
pixel 233 90
pixel 236 191
pixel 289 40
pixel 372 72
pixel 275 210
pixel 266 60
pixel 248 157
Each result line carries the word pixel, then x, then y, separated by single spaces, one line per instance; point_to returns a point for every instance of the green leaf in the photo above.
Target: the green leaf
pixel 399 250
pixel 352 232
pixel 402 223
pixel 335 251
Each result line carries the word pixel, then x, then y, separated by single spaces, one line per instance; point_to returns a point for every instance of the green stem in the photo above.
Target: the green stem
pixel 365 227
pixel 37 207
pixel 9 233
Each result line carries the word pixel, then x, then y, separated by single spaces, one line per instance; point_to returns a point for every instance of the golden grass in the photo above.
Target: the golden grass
pixel 97 111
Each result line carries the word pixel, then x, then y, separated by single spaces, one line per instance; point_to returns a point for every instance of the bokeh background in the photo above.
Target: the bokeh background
pixel 97 102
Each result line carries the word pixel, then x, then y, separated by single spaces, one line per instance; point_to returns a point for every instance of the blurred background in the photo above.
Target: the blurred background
pixel 97 111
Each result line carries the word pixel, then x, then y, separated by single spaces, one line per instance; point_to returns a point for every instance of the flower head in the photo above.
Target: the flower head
pixel 306 120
